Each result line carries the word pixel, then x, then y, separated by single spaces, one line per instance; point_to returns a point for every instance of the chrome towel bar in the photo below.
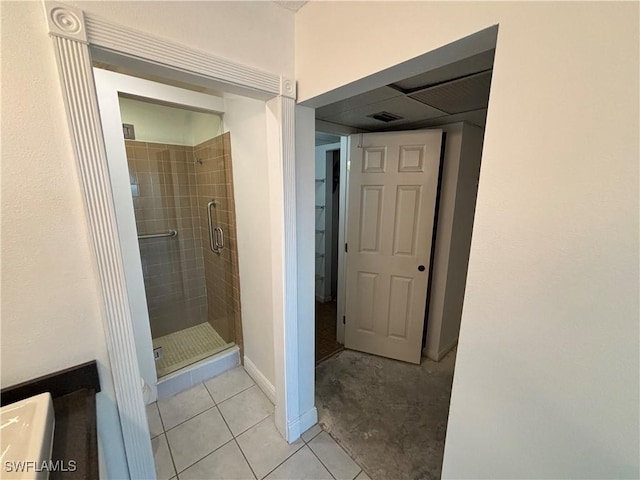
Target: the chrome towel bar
pixel 170 233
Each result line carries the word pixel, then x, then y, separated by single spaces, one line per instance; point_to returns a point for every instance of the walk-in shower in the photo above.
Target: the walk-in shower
pixel 181 180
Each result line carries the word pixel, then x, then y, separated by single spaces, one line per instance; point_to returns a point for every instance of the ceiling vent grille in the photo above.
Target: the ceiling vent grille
pixel 385 117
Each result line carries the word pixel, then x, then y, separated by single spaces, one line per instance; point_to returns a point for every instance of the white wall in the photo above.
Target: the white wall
pixel 51 304
pixel 546 381
pixel 246 120
pixel 162 124
pixel 456 208
pixel 51 299
pixel 254 33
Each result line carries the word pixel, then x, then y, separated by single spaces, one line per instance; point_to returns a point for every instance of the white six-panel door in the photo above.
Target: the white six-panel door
pixel 393 180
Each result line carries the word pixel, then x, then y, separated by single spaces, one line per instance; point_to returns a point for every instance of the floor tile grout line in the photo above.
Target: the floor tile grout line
pixel 173 462
pixel 190 418
pixel 164 430
pixel 166 439
pixel 249 428
pixel 245 457
pixel 252 426
pixel 307 441
pixel 159 415
pixel 321 462
pixel 322 430
pixel 211 395
pixel 287 458
pixel 200 459
pixel 235 439
pixel 234 395
pixel 226 423
pixel 223 419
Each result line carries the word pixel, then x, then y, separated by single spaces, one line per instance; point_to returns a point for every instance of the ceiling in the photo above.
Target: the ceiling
pixel 326 138
pixel 455 92
pixel 294 6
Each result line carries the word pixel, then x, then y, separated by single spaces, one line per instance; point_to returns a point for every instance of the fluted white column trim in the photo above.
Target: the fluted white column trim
pixel 67 30
pixel 290 323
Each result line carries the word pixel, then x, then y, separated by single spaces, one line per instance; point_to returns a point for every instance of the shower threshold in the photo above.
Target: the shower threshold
pixel 198 372
pixel 186 347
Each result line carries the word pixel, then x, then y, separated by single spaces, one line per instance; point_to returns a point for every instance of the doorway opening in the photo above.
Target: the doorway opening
pixel 413 150
pixel 180 172
pixel 184 184
pixel 327 205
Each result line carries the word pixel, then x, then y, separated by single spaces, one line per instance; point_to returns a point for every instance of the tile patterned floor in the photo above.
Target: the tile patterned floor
pixel 223 429
pixel 187 346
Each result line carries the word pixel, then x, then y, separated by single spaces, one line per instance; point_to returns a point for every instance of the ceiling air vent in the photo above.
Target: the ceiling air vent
pixel 385 117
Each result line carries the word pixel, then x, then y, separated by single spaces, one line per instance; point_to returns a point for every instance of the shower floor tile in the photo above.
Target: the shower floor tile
pixel 187 346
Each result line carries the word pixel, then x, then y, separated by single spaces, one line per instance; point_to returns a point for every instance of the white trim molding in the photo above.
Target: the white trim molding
pixel 67 22
pixel 290 382
pixel 304 422
pixel 74 65
pixel 265 385
pixel 117 38
pixel 288 88
pixel 76 35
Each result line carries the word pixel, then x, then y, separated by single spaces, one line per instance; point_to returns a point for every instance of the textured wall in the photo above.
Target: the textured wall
pixel 546 380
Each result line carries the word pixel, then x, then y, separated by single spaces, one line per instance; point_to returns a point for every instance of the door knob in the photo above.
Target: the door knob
pixel 421 268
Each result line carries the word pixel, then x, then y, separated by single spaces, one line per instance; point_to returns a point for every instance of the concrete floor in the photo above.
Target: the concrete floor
pixel 390 416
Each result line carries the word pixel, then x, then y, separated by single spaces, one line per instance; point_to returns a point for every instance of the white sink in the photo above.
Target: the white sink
pixel 26 438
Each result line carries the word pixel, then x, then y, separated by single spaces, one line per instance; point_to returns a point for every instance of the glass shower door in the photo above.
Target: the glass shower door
pixel 182 193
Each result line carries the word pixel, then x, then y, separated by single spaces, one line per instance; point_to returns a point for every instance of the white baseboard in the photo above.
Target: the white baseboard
pixel 301 424
pixel 258 377
pixel 447 349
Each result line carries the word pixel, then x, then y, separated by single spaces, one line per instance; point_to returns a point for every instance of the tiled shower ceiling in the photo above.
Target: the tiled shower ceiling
pixel 455 92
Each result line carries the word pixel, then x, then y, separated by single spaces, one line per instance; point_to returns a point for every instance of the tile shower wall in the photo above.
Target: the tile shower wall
pixel 186 283
pixel 214 180
pixel 164 197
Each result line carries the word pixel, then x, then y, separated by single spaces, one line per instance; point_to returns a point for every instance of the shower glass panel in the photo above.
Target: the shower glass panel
pixel 182 189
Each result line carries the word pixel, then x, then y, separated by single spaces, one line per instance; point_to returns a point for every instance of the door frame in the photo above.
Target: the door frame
pixel 108 86
pixel 473 44
pixel 324 150
pixel 79 37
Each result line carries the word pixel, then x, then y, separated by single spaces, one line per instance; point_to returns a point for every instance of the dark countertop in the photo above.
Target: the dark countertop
pixel 75 439
pixel 75 435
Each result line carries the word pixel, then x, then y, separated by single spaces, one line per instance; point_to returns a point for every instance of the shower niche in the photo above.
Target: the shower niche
pixel 181 178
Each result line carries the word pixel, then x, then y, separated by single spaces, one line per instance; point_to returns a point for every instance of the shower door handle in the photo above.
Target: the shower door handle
pixel 212 234
pixel 219 238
